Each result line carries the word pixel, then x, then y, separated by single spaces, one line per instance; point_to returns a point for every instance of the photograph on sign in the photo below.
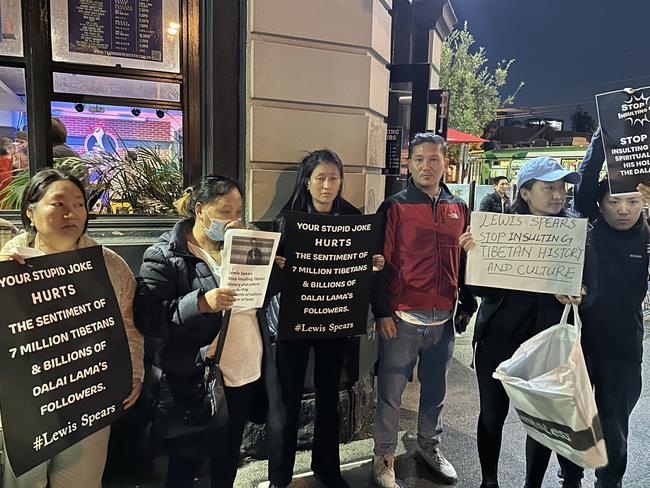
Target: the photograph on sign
pixel 624 117
pixel 527 252
pixel 247 264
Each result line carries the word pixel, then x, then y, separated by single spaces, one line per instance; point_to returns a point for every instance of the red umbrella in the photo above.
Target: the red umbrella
pixel 458 137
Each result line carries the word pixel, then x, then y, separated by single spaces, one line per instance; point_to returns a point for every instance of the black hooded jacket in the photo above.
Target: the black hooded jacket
pixel 613 325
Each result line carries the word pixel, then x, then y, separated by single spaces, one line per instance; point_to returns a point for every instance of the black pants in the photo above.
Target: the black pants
pixel 291 361
pixel 494 405
pixel 224 462
pixel 617 387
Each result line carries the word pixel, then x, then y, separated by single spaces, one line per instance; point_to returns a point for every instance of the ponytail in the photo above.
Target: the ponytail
pixel 183 203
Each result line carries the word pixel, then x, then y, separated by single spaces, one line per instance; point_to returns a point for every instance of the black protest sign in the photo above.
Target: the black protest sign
pixel 625 123
pixel 64 357
pixel 328 275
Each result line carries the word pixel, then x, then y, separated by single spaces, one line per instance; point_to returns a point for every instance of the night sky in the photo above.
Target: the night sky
pixel 565 50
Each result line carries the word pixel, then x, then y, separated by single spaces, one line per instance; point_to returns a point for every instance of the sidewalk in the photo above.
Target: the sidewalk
pixel 459 441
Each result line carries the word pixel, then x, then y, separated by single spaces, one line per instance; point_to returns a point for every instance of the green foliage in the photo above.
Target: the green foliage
pixel 11 194
pixel 475 95
pixel 148 183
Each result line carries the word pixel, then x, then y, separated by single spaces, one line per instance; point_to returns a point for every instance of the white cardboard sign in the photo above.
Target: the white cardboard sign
pixel 527 252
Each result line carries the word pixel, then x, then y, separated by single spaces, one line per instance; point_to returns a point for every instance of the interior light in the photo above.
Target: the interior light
pixel 173 28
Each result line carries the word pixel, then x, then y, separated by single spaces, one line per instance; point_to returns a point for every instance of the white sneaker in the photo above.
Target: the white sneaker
pixel 383 471
pixel 437 462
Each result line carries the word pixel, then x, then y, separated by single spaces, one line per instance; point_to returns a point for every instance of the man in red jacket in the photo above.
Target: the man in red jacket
pixel 415 301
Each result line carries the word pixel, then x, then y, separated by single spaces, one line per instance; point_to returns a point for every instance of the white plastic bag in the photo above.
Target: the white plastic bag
pixel 549 387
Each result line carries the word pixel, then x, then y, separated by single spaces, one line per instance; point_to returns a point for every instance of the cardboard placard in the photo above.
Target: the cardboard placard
pixel 624 118
pixel 328 275
pixel 65 359
pixel 527 252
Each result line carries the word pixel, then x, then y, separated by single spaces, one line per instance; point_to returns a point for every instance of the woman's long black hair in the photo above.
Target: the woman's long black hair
pixel 300 199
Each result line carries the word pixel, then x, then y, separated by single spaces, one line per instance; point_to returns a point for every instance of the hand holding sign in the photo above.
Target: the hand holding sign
pixel 466 240
pixel 216 300
pixel 645 192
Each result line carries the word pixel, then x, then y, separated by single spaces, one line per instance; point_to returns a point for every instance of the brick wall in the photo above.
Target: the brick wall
pixel 132 129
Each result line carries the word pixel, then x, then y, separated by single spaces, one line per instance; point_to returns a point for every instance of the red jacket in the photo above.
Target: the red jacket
pixel 424 262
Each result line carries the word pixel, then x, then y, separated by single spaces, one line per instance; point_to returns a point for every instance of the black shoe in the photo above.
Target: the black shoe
pixel 334 481
pixel 571 484
pixel 489 484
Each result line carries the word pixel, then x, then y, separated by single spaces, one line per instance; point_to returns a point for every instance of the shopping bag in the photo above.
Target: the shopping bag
pixel 549 387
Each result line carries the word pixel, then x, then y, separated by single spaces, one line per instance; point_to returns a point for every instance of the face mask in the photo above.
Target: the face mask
pixel 217 229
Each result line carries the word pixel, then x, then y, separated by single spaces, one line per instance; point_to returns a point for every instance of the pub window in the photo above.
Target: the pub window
pixel 13 138
pixel 130 157
pixel 114 76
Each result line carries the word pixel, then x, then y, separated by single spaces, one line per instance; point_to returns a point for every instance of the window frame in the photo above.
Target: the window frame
pixel 39 68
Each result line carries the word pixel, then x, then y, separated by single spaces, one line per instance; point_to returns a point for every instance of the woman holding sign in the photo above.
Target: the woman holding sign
pixel 54 213
pixel 507 318
pixel 181 305
pixel 317 191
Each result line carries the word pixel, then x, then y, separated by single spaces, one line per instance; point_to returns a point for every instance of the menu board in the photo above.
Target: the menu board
pixel 120 28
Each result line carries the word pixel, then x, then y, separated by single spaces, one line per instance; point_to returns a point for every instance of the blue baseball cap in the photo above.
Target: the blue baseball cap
pixel 546 169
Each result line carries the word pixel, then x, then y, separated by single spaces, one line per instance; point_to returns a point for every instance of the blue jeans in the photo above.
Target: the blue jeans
pixel 434 346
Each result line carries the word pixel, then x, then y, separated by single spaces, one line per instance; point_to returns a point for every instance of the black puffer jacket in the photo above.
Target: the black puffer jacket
pixel 166 309
pixel 492 203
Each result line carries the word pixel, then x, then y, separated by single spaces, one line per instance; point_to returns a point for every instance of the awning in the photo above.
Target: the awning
pixel 458 137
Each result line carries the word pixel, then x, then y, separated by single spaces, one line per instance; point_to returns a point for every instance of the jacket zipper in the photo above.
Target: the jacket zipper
pixel 434 206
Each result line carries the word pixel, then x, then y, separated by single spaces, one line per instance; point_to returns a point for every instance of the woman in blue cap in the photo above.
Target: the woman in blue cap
pixel 507 318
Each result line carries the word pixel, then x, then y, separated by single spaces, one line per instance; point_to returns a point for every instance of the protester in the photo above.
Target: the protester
pixel 317 191
pixel 54 213
pixel 507 318
pixel 414 305
pixel 613 326
pixel 180 304
pixel 498 201
pixel 59 137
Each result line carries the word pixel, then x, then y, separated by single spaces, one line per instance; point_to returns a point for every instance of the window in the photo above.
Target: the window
pixel 13 140
pixel 131 157
pixel 116 82
pixel 141 34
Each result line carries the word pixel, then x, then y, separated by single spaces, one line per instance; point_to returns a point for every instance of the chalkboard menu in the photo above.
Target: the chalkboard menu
pixel 121 28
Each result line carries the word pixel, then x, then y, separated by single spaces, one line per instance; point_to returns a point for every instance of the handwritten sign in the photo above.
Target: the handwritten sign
pixel 527 252
pixel 64 357
pixel 328 275
pixel 625 122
